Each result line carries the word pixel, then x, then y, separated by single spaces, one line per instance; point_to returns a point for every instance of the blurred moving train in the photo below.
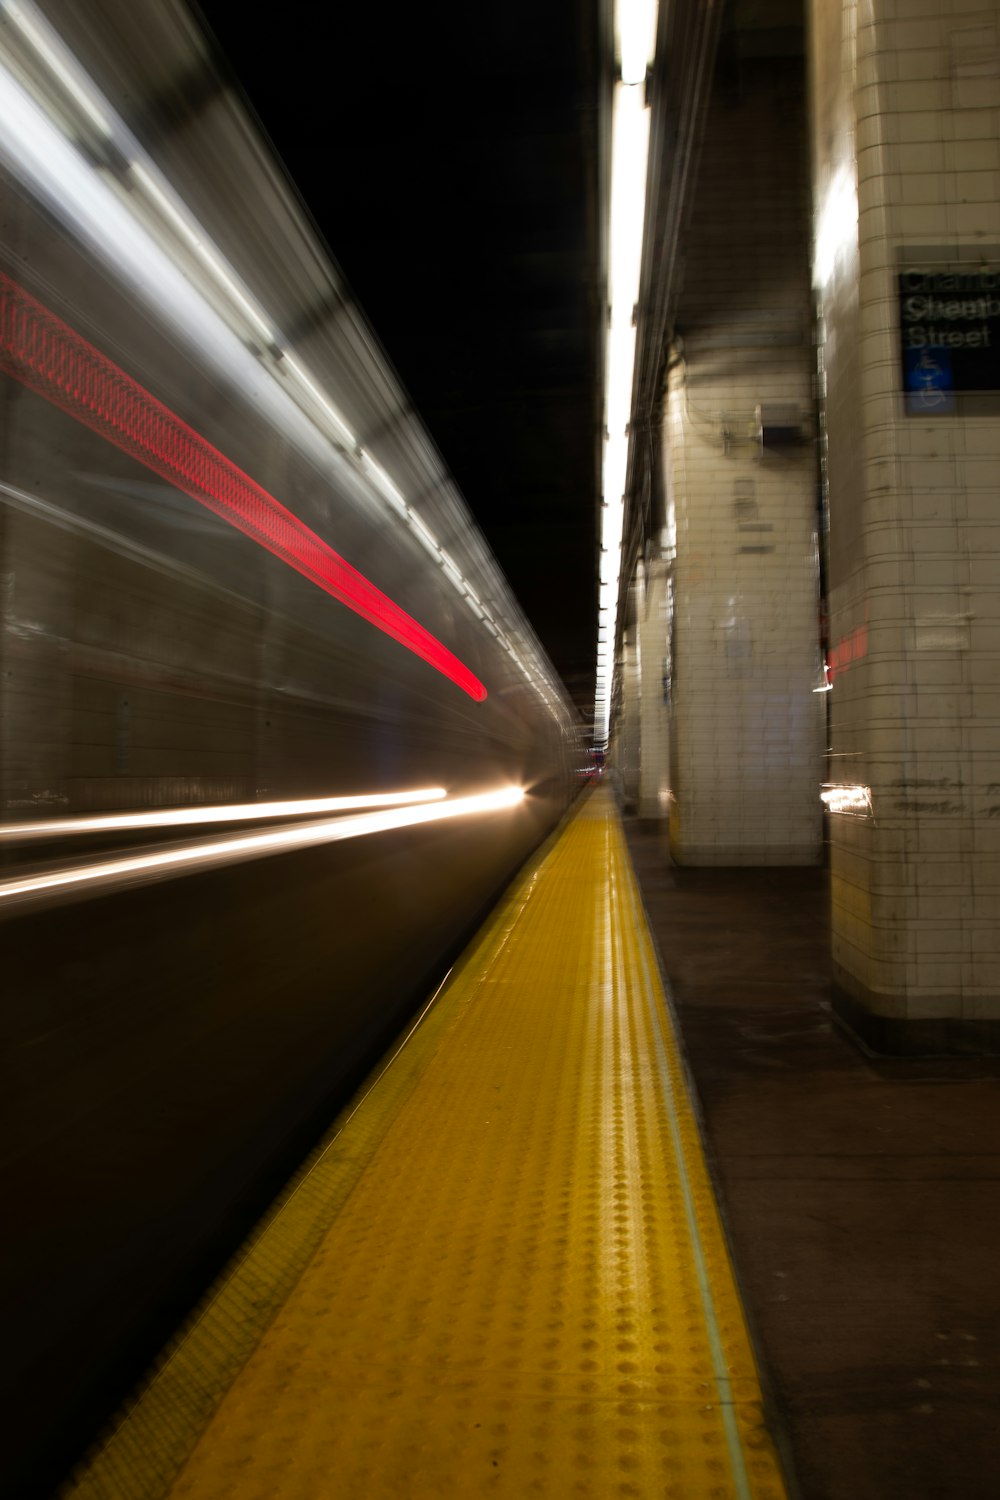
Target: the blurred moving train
pixel 237 583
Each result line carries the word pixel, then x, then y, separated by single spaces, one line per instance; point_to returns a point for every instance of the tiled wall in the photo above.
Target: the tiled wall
pixel 640 749
pixel 654 627
pixel 745 721
pixel 909 90
pixel 628 750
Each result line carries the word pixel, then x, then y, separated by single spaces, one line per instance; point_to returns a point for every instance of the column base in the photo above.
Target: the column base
pixel 863 1013
pixel 744 854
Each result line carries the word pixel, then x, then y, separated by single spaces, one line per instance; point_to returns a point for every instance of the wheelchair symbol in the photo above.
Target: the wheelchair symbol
pixel 929 384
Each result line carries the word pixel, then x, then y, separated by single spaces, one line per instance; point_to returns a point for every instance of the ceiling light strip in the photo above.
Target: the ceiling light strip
pixel 635 29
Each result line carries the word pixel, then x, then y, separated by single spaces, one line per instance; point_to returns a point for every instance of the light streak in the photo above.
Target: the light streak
pixel 52 359
pixel 230 812
pixel 182 859
pixel 839 797
pixel 33 32
pixel 341 429
pixel 203 251
pixel 42 152
pixel 37 150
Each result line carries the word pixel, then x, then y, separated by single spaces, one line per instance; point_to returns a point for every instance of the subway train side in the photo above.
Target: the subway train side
pixel 235 574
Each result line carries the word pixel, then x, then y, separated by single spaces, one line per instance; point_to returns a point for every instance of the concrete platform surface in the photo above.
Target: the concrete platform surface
pixel 862 1195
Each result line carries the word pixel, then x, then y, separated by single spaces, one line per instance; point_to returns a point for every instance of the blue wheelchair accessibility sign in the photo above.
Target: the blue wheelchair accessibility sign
pixel 930 385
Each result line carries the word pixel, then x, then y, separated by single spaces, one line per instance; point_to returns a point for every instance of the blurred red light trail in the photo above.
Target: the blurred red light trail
pixel 52 359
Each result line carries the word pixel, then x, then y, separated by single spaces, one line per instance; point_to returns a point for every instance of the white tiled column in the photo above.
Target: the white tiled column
pixel 907 174
pixel 654 758
pixel 628 753
pixel 741 471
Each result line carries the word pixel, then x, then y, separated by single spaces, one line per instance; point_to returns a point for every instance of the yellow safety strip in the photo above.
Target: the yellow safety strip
pixel 520 1283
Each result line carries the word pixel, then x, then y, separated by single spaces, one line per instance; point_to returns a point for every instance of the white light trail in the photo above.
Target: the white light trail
pixel 58 60
pixel 196 241
pixel 344 433
pixel 182 859
pixel 230 812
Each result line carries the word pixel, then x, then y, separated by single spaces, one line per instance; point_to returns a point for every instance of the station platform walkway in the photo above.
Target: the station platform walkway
pixel 504 1272
pixel 490 1279
pixel 861 1194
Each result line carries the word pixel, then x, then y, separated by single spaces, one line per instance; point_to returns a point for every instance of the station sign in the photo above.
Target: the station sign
pixel 949 321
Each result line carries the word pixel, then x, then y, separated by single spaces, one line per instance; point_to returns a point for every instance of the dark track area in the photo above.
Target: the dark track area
pixel 862 1195
pixel 201 1035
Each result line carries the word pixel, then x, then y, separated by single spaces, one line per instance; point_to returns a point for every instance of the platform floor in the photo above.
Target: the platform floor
pixel 504 1273
pixel 861 1194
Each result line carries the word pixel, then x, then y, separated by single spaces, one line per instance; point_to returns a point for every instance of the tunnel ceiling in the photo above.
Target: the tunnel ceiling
pixel 448 155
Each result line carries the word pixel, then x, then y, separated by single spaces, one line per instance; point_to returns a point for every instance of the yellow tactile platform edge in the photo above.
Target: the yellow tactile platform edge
pixel 153 1435
pixel 527 1291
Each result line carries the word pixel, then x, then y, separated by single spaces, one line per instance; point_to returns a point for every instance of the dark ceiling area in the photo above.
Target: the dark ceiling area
pixel 448 155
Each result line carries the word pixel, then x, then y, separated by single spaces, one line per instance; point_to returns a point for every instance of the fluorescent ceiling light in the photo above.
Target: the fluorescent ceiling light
pixel 619 366
pixel 629 150
pixel 636 27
